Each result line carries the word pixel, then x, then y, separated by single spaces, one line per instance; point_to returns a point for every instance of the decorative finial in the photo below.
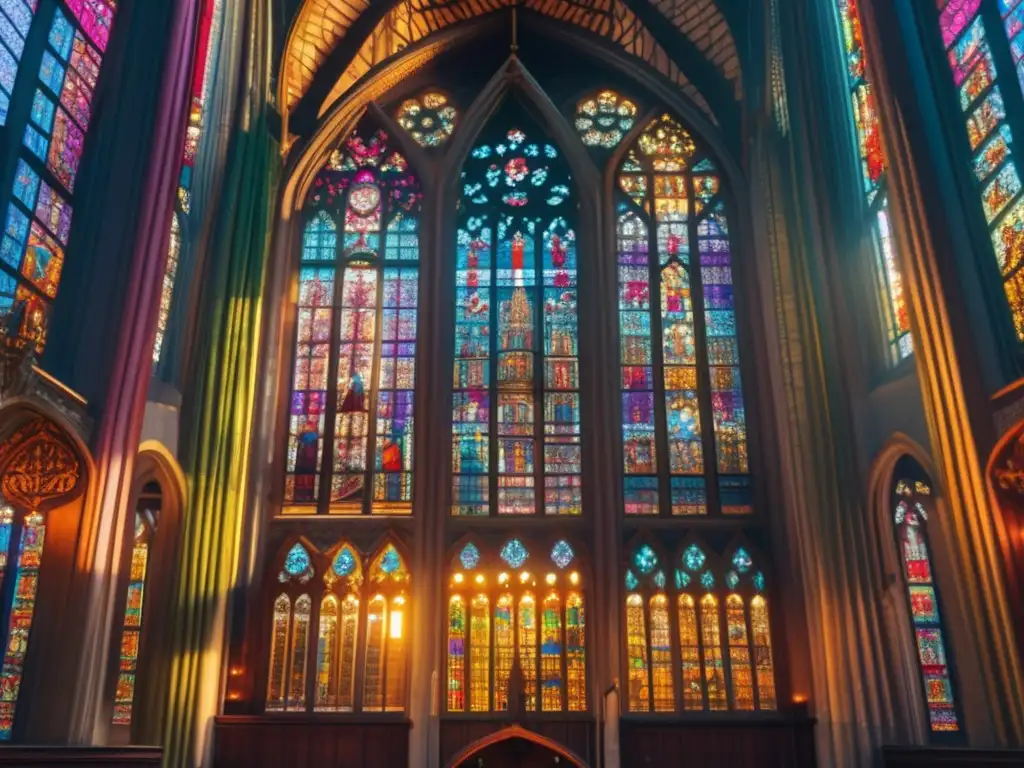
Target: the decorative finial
pixel 515 26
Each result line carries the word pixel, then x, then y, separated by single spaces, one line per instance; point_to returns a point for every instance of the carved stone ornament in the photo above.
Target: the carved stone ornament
pixel 1008 468
pixel 39 465
pixel 16 355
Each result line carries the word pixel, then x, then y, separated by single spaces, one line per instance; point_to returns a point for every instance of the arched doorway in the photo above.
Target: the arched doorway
pixel 515 747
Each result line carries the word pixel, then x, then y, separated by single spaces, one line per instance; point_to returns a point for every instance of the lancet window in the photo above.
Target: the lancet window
pixel 147 519
pixel 340 631
pixel 683 417
pixel 516 410
pixel 516 629
pixel 697 632
pixel 38 220
pixel 975 61
pixel 912 507
pixel 864 116
pixel 350 432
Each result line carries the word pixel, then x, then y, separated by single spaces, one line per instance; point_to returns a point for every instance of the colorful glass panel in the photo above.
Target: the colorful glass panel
pixel 689 654
pixel 638 692
pixel 280 626
pixel 516 283
pixel 551 654
pixel 145 522
pixel 988 132
pixel 741 688
pixel 714 669
pixel 912 537
pixel 892 302
pixel 430 119
pixel 662 665
pixel 504 649
pixel 363 208
pixel 663 399
pixel 575 652
pixel 603 120
pixel 480 655
pixel 326 649
pixel 15 21
pixel 298 653
pixel 528 648
pixel 762 642
pixel 23 605
pixel 456 654
pixel 373 665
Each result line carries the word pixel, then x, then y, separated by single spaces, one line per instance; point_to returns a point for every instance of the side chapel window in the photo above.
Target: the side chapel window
pixel 39 215
pixel 147 518
pixel 683 418
pixel 912 507
pixel 864 116
pixel 979 80
pixel 516 403
pixel 697 633
pixel 513 626
pixel 354 371
pixel 353 613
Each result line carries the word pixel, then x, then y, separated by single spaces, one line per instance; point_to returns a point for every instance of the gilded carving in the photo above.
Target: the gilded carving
pixel 39 465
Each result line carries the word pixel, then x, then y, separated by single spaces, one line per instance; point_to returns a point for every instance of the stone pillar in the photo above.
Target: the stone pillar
pixel 959 416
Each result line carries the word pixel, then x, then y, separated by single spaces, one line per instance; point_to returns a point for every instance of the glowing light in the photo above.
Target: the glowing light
pixel 574 578
pixel 550 578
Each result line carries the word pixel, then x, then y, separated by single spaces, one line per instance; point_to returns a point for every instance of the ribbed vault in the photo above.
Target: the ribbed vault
pixel 320 25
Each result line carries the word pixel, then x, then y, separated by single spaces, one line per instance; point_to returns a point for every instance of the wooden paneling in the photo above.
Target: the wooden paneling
pixel 62 757
pixel 938 757
pixel 309 741
pixel 577 735
pixel 770 743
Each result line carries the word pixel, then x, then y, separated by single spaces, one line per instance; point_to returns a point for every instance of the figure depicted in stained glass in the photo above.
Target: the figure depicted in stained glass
pixel 358 285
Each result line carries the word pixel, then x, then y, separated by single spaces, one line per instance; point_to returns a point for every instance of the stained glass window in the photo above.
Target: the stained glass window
pixel 516 407
pixel 976 77
pixel 15 21
pixel 202 83
pixel 912 500
pixel 714 631
pixel 23 605
pixel 39 214
pixel 673 237
pixel 892 302
pixel 604 120
pixel 429 118
pixel 350 444
pixel 510 627
pixel 361 622
pixel 147 517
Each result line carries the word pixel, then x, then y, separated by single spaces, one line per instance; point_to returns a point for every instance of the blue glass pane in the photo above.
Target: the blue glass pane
pixel 344 563
pixel 12 39
pixel 645 559
pixel 298 561
pixel 562 554
pixel 42 111
pixel 514 553
pixel 26 185
pixel 36 142
pixel 61 35
pixel 707 580
pixel 391 562
pixel 469 557
pixel 742 561
pixel 19 14
pixel 51 72
pixel 693 558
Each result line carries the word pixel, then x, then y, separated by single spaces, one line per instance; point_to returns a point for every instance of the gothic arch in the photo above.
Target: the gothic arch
pixel 515 732
pixel 907 715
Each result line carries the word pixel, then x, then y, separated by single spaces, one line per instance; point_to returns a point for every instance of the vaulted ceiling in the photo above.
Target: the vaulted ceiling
pixel 333 43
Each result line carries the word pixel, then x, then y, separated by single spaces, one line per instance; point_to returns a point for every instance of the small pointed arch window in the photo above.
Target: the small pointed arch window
pixel 147 520
pixel 697 631
pixel 912 511
pixel 516 628
pixel 290 627
pixel 354 608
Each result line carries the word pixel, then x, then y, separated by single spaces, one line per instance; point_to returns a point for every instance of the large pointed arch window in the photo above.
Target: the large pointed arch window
pixel 340 631
pixel 60 111
pixel 895 317
pixel 350 429
pixel 516 403
pixel 516 629
pixel 683 417
pixel 988 96
pixel 913 505
pixel 697 634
